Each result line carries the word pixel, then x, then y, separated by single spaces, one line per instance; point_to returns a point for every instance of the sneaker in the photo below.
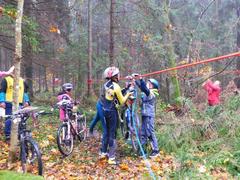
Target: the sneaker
pixel 7 138
pixel 112 161
pixel 103 155
pixel 154 154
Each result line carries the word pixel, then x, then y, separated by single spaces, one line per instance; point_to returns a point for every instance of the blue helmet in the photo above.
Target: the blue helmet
pixel 154 83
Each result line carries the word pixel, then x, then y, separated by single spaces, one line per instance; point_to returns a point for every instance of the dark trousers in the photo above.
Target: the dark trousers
pixel 111 117
pixel 8 122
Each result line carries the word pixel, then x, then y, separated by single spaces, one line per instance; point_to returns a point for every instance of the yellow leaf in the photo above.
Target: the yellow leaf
pixel 50 137
pixel 54 151
pixel 44 144
pixel 146 38
pixel 3 161
pixel 124 167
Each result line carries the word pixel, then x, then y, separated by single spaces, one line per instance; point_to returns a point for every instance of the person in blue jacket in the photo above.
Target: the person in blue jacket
pixel 149 95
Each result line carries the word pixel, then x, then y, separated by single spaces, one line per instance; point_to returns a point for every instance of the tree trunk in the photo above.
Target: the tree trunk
pixel 29 75
pixel 237 80
pixel 45 79
pixel 171 54
pixel 90 49
pixel 17 64
pixel 111 33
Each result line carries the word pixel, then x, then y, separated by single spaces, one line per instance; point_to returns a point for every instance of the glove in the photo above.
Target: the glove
pixel 136 75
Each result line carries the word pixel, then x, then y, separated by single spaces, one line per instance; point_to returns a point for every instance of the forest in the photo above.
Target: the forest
pixel 184 47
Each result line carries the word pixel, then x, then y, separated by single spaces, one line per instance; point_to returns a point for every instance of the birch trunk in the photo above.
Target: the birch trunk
pixel 17 64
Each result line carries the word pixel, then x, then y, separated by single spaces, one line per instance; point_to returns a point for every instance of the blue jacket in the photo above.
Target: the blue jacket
pixel 148 99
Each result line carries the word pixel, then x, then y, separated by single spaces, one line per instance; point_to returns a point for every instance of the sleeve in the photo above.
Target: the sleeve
pixel 124 90
pixel 122 99
pixel 142 85
pixel 3 90
pixel 26 98
pixel 3 73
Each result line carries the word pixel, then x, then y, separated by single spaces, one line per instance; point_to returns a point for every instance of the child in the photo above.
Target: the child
pixel 65 94
pixel 213 90
pixel 110 95
pixel 149 95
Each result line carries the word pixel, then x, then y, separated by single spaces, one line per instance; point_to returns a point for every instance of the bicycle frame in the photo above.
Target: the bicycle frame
pixel 70 127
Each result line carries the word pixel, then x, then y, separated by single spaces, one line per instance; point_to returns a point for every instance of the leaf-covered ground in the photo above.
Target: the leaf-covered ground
pixel 85 163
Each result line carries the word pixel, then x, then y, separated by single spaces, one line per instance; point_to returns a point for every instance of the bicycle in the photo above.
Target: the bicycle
pixel 73 127
pixel 30 154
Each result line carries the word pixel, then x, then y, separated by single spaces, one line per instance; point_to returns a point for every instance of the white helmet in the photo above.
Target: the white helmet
pixel 110 72
pixel 67 87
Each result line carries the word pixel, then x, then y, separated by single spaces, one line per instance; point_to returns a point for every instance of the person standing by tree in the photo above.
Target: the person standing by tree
pixel 6 99
pixel 112 95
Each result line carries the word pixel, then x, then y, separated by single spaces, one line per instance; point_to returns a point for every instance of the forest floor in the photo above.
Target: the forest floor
pixel 84 163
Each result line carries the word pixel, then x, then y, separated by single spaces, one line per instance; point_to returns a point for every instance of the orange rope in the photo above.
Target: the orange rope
pixel 193 64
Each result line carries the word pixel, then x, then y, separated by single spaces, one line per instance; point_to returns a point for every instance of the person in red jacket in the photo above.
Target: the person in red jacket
pixel 213 90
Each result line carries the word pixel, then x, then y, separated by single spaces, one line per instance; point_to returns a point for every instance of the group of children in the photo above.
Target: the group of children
pixel 112 96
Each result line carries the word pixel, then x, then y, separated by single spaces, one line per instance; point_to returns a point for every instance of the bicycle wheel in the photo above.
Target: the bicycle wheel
pixel 64 140
pixel 31 160
pixel 82 127
pixel 135 133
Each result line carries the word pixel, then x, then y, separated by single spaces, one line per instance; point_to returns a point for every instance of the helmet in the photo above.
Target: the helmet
pixel 67 86
pixel 154 83
pixel 105 73
pixel 111 72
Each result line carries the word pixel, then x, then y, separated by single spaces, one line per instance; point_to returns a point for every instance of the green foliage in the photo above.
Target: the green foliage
pixel 193 147
pixel 31 34
pixel 5 175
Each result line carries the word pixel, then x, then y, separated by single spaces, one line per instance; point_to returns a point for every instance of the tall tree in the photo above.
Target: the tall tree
pixel 90 49
pixel 171 56
pixel 17 64
pixel 111 33
pixel 238 41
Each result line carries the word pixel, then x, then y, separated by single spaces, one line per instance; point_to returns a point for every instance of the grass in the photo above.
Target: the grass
pixel 6 175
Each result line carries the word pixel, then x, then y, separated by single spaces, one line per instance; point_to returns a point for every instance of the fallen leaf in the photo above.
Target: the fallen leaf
pixel 51 138
pixel 124 167
pixel 202 169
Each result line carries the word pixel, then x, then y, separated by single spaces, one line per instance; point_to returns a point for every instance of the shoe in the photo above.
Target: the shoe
pixel 103 155
pixel 112 161
pixel 7 138
pixel 154 154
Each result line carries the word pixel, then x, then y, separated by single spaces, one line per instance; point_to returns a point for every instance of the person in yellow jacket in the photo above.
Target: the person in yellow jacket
pixel 6 99
pixel 111 96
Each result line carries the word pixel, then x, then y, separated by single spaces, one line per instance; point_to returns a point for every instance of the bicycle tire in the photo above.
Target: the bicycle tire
pixel 82 127
pixel 64 143
pixel 30 154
